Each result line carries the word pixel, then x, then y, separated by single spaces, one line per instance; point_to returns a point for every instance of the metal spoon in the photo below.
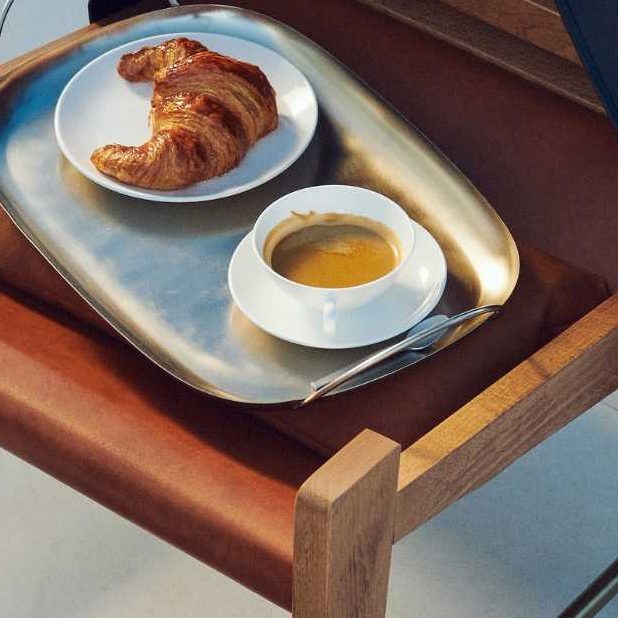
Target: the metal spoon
pixel 417 339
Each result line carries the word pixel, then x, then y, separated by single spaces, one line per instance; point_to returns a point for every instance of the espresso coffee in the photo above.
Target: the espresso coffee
pixel 331 250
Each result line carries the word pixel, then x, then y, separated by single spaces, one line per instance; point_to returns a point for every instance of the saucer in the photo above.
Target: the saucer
pixel 415 293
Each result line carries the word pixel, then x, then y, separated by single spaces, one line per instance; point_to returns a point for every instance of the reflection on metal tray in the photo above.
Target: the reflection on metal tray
pixel 157 272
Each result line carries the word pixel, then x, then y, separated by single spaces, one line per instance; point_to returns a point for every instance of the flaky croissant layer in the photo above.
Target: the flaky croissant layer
pixel 207 111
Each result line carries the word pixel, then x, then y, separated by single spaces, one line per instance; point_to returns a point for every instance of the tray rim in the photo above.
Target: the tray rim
pixel 19 67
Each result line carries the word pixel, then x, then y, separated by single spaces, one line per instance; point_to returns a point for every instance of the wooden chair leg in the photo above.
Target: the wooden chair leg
pixel 344 523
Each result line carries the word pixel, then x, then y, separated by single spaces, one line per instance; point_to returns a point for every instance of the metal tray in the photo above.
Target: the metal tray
pixel 157 272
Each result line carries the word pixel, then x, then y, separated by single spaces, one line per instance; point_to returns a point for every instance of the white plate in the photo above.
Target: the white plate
pixel 98 107
pixel 412 297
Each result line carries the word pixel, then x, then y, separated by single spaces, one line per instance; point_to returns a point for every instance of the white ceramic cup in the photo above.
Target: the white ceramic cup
pixel 341 199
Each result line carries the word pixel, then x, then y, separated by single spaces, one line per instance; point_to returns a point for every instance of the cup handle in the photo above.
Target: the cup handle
pixel 329 317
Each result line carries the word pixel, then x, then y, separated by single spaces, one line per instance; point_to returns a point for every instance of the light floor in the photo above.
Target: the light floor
pixel 523 546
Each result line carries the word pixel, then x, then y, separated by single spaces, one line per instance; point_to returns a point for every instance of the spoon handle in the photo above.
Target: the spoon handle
pixel 427 342
pixel 332 381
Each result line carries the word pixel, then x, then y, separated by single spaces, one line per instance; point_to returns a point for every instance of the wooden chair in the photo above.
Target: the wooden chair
pixel 84 408
pixel 342 541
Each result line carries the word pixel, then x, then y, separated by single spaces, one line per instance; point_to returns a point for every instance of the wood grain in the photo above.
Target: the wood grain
pixel 548 4
pixel 529 20
pixel 503 49
pixel 344 520
pixel 544 393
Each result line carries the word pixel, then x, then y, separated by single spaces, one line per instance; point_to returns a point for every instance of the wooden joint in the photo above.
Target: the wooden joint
pixel 534 400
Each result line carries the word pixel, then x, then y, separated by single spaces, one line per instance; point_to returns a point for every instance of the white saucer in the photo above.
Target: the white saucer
pixel 412 297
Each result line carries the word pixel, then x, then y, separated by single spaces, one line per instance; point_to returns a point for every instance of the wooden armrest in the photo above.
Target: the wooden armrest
pixel 520 36
pixel 348 512
pixel 344 518
pixel 563 379
pixel 535 21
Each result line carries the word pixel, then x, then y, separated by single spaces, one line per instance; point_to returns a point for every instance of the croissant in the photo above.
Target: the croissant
pixel 207 111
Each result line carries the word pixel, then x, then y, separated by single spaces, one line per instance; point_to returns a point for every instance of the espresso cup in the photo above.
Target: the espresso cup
pixel 345 200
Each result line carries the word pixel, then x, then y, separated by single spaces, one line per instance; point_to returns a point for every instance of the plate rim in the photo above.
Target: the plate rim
pixel 145 194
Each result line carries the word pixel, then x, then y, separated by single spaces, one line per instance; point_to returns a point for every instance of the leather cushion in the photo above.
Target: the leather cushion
pixel 92 412
pixel 201 474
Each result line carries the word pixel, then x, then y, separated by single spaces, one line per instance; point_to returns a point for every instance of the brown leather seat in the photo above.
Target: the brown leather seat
pixel 217 482
pixel 91 411
pixel 202 474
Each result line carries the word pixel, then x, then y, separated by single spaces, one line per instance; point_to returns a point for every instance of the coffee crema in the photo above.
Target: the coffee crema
pixel 331 250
